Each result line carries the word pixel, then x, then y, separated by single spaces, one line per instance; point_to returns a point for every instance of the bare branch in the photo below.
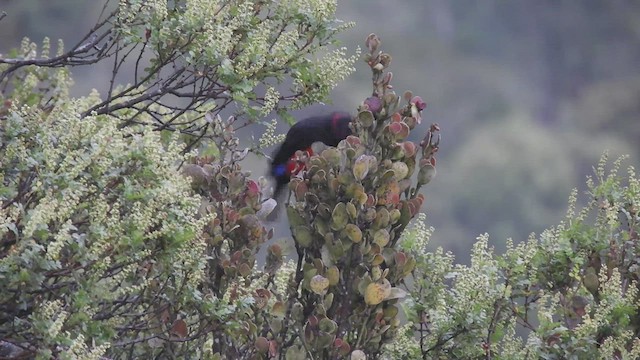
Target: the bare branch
pixel 85 52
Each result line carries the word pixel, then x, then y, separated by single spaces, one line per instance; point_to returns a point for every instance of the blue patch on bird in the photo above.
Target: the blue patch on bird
pixel 280 170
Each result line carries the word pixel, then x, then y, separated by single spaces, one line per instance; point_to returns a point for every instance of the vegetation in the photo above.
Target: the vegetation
pixel 186 59
pixel 129 229
pixel 570 293
pixel 101 243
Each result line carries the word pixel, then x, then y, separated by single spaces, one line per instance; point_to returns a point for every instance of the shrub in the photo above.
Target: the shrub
pixel 347 214
pixel 106 249
pixel 183 59
pixel 101 245
pixel 571 292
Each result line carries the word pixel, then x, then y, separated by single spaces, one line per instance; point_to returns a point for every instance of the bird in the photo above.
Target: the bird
pixel 329 129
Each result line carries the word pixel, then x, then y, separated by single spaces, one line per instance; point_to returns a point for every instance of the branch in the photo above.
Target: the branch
pixel 497 308
pixel 81 53
pixel 443 340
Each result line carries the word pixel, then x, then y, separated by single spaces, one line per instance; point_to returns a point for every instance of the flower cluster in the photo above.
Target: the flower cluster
pixel 323 76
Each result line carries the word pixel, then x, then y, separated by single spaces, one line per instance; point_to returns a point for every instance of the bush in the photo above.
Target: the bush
pixel 346 215
pixel 183 59
pixel 106 249
pixel 572 292
pixel 101 245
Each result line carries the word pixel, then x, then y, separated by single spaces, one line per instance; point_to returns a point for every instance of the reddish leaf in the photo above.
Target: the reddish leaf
pixel 263 293
pixel 313 321
pixel 410 148
pixel 273 348
pixel 420 104
pixel 379 316
pixel 353 140
pixel 236 256
pixel 252 188
pixel 275 249
pixel 262 344
pixel 165 316
pixel 179 329
pixel 395 128
pixel 401 259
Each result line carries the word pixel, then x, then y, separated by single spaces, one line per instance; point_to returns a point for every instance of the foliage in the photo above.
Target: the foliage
pixel 101 246
pixel 348 212
pixel 191 57
pixel 106 248
pixel 490 63
pixel 107 251
pixel 570 293
pixel 346 217
pixel 233 240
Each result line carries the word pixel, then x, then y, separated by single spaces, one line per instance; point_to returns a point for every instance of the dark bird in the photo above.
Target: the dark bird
pixel 329 129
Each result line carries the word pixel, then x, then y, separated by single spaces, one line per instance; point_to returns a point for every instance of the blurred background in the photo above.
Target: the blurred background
pixel 528 94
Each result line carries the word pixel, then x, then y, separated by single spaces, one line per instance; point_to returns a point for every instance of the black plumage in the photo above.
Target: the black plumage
pixel 329 129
